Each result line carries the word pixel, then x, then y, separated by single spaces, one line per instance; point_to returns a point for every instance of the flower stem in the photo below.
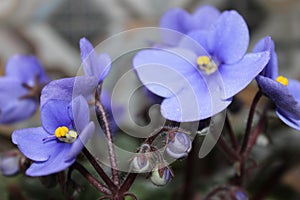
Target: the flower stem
pixel 91 179
pixel 99 170
pixel 128 182
pixel 104 123
pixel 229 152
pixel 249 121
pixel 231 134
pixel 250 143
pixel 258 129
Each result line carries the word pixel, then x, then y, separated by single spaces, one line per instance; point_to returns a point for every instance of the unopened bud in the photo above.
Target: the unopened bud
pixel 161 176
pixel 140 163
pixel 179 145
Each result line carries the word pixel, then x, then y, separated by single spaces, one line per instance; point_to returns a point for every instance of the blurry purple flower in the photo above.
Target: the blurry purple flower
pixel 285 93
pixel 9 163
pixel 179 146
pixel 94 64
pixel 181 21
pixel 66 127
pixel 200 76
pixel 20 88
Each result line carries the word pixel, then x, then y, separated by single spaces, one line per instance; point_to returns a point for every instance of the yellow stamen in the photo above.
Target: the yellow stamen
pixel 281 79
pixel 206 64
pixel 61 131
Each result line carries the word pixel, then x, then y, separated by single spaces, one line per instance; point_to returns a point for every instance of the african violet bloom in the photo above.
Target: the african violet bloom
pixel 54 146
pixel 284 92
pixel 181 21
pixel 68 88
pixel 96 68
pixel 20 88
pixel 179 145
pixel 94 64
pixel 199 77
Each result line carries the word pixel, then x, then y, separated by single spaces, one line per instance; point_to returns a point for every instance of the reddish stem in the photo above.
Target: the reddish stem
pixel 91 179
pixel 231 134
pixel 105 125
pixel 99 170
pixel 249 121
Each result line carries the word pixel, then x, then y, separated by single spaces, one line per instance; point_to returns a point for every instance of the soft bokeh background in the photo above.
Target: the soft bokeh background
pixel 51 30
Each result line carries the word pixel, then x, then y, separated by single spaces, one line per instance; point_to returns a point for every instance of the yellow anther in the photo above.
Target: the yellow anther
pixel 206 64
pixel 203 60
pixel 61 131
pixel 281 79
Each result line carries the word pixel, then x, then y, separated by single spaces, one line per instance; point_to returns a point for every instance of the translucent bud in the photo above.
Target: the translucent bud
pixel 140 163
pixel 9 163
pixel 160 176
pixel 179 145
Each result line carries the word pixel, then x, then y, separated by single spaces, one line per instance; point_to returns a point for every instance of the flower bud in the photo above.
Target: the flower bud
pixel 179 145
pixel 239 194
pixel 9 163
pixel 160 176
pixel 140 163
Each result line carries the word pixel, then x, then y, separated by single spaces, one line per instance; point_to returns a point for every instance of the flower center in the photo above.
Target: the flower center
pixel 63 134
pixel 206 64
pixel 281 79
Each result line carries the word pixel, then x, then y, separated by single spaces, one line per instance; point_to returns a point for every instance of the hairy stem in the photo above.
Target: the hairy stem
pixel 104 123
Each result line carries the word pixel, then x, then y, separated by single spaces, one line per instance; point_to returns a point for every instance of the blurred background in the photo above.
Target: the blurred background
pixel 51 30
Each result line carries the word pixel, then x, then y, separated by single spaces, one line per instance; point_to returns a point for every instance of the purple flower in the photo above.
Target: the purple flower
pixel 20 88
pixel 199 78
pixel 179 146
pixel 284 92
pixel 181 21
pixel 68 88
pixel 66 127
pixel 9 163
pixel 94 64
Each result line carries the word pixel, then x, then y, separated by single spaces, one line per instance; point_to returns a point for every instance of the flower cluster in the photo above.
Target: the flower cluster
pixel 201 64
pixel 201 71
pixel 65 116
